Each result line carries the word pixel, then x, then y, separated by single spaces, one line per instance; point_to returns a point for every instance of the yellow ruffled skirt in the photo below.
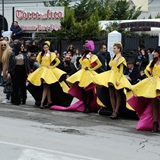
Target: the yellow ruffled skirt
pixel 48 76
pixel 148 88
pixel 83 77
pixel 109 78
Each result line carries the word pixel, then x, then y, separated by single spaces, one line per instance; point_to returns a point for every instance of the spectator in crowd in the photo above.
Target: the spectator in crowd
pixel 64 55
pixel 28 45
pixel 71 49
pixel 104 58
pixel 142 58
pixel 1 38
pixel 132 73
pixel 6 39
pixel 150 54
pixel 21 40
pixel 26 49
pixel 34 47
pixel 32 62
pixel 76 54
pixel 69 68
pixel 11 44
pixel 15 41
pixel 7 51
pixel 77 64
pixel 55 51
pixel 142 75
pixel 18 71
pixel 60 65
pixel 16 30
pixel 67 57
pixel 28 54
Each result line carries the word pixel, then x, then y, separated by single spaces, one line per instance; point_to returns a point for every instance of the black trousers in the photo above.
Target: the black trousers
pixel 19 85
pixel 87 98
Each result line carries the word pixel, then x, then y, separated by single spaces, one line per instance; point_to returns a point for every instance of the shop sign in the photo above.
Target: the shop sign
pixel 144 24
pixel 39 19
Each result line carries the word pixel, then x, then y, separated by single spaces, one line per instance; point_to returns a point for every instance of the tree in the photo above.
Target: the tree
pixel 91 28
pixel 85 9
pixel 150 16
pixel 56 3
pixel 122 11
pixel 158 15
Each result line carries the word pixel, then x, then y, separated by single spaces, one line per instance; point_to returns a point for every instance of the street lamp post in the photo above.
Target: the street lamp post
pixel 2 16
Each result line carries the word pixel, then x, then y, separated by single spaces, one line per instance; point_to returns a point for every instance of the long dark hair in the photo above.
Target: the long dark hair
pixel 42 54
pixel 155 59
pixel 17 48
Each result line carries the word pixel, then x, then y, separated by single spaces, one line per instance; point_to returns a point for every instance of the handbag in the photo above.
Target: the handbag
pixel 8 86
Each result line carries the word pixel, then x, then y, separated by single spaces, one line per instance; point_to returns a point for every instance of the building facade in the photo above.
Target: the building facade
pixel 149 7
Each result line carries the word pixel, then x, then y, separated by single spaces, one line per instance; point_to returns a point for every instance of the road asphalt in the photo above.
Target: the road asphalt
pixel 29 133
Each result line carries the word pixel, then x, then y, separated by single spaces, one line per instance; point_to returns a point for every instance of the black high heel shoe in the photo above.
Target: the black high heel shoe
pixel 41 106
pixel 155 127
pixel 87 109
pixel 114 115
pixel 48 105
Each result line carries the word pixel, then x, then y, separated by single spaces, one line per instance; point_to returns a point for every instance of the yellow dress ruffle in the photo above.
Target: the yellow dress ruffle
pixel 109 78
pixel 149 87
pixel 83 77
pixel 47 75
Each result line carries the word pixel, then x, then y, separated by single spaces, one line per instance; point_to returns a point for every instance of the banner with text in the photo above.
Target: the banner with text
pixel 39 19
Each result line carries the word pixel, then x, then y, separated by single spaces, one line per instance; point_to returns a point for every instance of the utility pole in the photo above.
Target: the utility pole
pixel 2 16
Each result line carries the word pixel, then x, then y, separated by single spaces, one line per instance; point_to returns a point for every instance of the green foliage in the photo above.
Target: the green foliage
pixel 158 15
pixel 91 27
pixel 112 26
pixel 122 11
pixel 150 17
pixel 68 21
pixel 85 9
pixel 56 3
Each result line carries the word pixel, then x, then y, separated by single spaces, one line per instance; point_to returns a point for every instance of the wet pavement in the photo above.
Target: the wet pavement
pixel 29 133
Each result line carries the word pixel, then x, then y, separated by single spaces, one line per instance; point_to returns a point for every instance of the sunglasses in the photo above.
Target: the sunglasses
pixel 3 45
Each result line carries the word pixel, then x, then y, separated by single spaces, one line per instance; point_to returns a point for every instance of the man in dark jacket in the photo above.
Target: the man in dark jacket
pixel 132 73
pixel 68 67
pixel 104 57
pixel 16 31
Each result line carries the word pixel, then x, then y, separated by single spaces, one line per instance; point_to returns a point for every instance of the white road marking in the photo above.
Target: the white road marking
pixel 29 154
pixel 35 153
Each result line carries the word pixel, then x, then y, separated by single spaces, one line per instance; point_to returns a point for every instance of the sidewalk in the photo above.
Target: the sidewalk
pixel 30 99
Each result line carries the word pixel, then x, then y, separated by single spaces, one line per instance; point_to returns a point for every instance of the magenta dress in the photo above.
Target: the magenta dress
pixel 143 92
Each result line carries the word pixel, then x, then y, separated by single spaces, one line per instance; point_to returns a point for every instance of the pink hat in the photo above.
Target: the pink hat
pixel 89 46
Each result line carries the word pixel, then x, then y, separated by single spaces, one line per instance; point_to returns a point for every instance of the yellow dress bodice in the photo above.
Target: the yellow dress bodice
pixel 88 60
pixel 46 59
pixel 155 71
pixel 85 62
pixel 149 87
pixel 114 63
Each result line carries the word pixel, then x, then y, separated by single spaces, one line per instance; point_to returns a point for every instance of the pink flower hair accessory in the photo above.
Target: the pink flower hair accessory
pixel 89 46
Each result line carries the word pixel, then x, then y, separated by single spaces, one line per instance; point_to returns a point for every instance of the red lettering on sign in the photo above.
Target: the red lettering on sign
pixel 36 15
pixel 18 14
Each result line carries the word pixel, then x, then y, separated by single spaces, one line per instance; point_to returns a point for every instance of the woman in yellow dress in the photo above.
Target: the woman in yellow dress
pixel 114 79
pixel 146 96
pixel 47 75
pixel 81 82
